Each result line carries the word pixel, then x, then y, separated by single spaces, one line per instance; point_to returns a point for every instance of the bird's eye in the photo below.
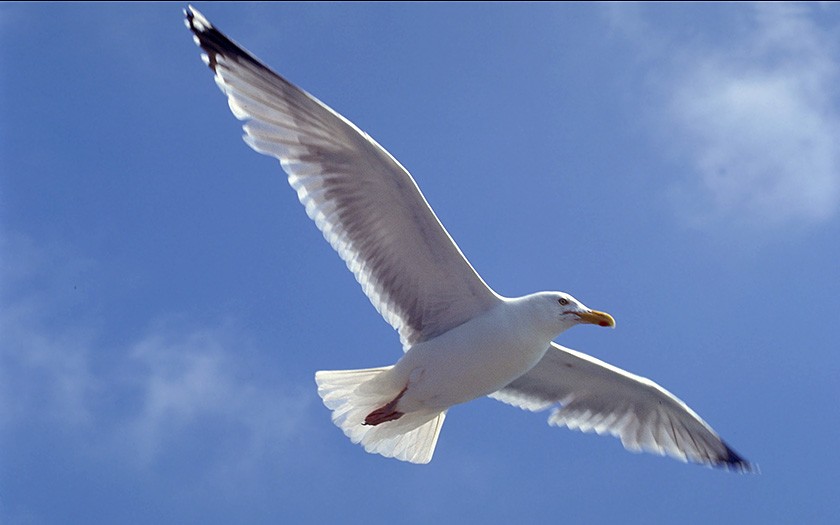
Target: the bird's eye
pixel 563 301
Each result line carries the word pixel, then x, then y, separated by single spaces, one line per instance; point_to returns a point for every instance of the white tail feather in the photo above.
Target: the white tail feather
pixel 353 394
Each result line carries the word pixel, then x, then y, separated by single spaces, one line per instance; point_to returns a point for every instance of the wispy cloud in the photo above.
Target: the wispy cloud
pixel 754 117
pixel 139 401
pixel 42 372
pixel 44 375
pixel 186 380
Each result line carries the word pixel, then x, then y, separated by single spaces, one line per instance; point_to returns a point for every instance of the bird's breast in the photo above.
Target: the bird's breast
pixel 472 360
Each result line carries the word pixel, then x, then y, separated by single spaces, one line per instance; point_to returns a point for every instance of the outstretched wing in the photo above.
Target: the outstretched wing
pixel 590 395
pixel 364 202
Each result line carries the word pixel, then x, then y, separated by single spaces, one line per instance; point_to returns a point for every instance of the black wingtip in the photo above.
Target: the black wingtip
pixel 207 37
pixel 735 462
pixel 191 13
pixel 212 41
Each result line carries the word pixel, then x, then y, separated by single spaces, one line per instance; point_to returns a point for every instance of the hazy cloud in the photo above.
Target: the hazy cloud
pixel 139 400
pixel 753 116
pixel 188 380
pixel 42 375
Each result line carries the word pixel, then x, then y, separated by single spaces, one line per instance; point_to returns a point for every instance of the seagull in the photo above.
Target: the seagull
pixel 461 340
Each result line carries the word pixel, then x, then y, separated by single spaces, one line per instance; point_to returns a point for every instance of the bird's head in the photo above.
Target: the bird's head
pixel 561 311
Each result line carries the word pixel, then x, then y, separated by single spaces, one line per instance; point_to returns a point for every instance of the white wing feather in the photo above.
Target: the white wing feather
pixel 365 203
pixel 590 395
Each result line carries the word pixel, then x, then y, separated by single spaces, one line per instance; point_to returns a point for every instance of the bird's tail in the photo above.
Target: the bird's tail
pixel 353 394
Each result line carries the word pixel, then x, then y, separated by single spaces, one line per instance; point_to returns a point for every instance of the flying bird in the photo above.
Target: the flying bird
pixel 461 340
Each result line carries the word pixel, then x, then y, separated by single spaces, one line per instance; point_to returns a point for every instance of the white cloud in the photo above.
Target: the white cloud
pixel 133 402
pixel 763 150
pixel 42 375
pixel 186 378
pixel 754 117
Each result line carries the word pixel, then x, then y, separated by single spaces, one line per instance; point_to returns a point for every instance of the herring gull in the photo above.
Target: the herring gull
pixel 461 340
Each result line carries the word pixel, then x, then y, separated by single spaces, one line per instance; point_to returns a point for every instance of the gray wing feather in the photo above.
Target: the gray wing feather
pixel 587 394
pixel 364 202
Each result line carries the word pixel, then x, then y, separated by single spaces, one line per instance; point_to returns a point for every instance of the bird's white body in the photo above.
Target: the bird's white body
pixel 474 359
pixel 462 340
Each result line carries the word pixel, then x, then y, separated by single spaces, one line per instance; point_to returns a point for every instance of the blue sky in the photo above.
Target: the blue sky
pixel 165 301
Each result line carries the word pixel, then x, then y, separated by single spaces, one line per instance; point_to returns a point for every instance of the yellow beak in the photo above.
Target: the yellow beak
pixel 596 317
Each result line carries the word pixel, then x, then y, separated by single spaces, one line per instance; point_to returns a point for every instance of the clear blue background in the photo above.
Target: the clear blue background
pixel 165 300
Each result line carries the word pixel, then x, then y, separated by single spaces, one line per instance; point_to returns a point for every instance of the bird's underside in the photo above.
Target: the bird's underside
pixel 372 212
